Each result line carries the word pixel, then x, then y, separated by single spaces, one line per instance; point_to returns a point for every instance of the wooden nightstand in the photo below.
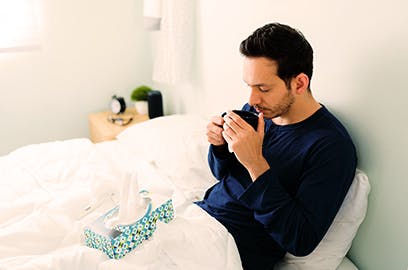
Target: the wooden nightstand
pixel 101 129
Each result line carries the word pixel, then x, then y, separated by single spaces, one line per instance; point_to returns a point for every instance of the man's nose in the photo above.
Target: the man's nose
pixel 254 97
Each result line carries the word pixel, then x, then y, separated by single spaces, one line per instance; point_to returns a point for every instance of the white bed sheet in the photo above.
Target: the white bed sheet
pixel 45 189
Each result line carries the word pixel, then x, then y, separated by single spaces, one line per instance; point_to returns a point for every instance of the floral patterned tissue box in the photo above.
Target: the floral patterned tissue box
pixel 116 242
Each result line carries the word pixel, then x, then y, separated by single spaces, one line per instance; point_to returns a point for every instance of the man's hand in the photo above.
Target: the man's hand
pixel 214 131
pixel 246 143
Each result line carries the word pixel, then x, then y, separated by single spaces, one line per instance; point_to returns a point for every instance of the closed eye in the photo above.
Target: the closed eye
pixel 263 89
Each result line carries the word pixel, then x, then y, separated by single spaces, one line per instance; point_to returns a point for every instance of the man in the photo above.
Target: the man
pixel 282 185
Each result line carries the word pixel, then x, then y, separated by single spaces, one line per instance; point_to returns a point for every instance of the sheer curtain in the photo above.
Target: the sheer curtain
pixel 19 25
pixel 174 51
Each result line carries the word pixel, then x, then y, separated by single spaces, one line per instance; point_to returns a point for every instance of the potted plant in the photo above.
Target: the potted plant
pixel 139 96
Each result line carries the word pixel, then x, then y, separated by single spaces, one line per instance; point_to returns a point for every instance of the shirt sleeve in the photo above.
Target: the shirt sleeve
pixel 298 223
pixel 219 159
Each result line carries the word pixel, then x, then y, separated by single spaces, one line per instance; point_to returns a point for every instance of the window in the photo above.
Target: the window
pixel 19 25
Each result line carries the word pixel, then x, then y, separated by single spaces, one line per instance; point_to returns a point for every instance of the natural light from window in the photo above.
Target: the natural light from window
pixel 19 27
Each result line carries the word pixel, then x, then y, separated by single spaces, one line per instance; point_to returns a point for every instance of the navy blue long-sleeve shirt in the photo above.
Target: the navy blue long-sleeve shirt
pixel 290 207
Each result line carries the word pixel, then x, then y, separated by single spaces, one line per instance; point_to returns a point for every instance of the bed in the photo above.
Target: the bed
pixel 51 191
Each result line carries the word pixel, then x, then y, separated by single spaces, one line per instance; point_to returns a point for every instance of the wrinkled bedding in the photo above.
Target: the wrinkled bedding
pixel 50 191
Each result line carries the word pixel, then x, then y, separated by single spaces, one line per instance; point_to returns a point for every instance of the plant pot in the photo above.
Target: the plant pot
pixel 141 107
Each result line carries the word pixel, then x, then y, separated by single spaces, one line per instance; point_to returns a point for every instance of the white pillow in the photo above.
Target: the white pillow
pixel 177 145
pixel 337 241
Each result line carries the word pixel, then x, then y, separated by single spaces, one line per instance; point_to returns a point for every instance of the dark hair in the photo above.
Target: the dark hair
pixel 283 44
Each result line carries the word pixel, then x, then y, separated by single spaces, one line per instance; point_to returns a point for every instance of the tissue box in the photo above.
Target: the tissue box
pixel 122 239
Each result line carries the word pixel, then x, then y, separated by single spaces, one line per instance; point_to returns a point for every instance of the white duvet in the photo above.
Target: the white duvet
pixel 50 191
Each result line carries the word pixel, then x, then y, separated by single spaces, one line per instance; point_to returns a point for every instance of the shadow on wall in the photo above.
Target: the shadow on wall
pixel 379 127
pixel 380 102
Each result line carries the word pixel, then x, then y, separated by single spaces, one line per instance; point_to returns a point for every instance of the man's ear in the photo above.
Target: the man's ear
pixel 300 83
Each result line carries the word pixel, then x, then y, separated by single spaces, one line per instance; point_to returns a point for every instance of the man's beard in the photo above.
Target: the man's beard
pixel 279 109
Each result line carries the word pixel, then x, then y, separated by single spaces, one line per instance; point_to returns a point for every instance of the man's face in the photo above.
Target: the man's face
pixel 269 93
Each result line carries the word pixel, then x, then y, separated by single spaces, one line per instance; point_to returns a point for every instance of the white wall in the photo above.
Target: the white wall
pixel 90 51
pixel 361 60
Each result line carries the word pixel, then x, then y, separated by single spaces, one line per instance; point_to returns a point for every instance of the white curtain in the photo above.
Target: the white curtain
pixel 19 27
pixel 174 51
pixel 152 13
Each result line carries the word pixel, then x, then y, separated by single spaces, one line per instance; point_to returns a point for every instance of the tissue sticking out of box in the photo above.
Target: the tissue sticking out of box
pixel 132 204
